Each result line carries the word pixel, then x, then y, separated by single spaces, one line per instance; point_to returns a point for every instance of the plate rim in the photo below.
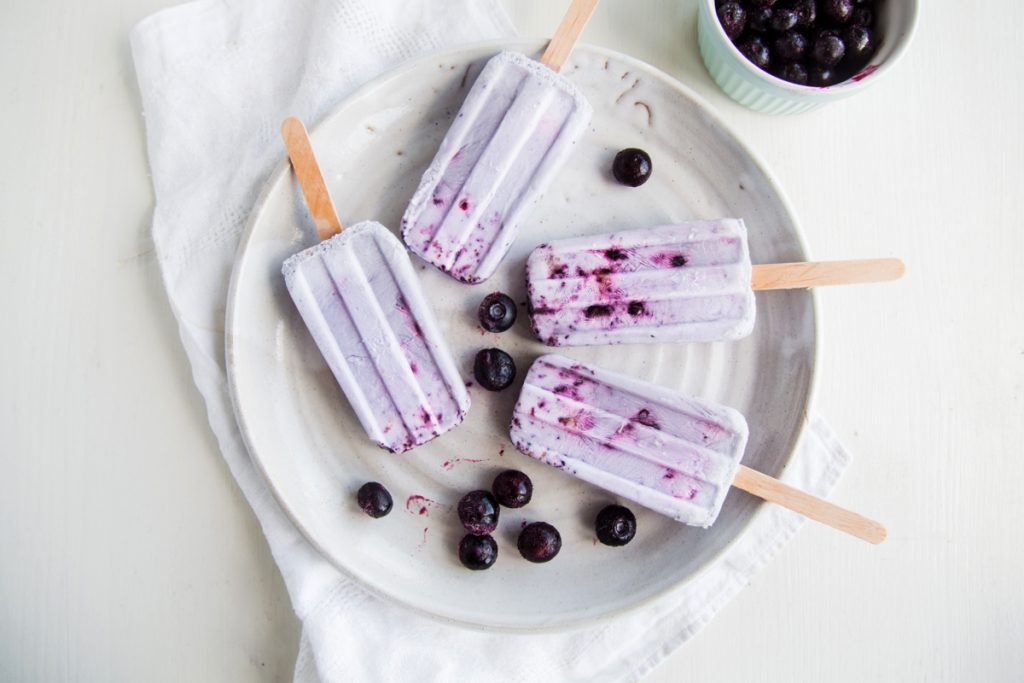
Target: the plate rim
pixel 278 174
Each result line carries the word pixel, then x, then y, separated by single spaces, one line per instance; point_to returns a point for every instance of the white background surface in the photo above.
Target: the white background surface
pixel 128 554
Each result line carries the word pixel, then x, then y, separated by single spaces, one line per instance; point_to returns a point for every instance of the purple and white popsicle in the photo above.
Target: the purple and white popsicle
pixel 689 282
pixel 514 131
pixel 661 449
pixel 359 297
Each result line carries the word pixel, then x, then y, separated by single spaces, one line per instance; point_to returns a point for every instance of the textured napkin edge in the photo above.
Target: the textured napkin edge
pixel 787 524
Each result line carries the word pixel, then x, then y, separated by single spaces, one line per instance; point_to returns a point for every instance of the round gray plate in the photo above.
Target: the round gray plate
pixel 305 439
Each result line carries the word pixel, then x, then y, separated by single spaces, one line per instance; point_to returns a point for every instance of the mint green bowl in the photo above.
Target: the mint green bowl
pixel 760 91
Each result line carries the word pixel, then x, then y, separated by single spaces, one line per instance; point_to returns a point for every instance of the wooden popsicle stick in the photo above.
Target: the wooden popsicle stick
pixel 311 180
pixel 820 273
pixel 812 507
pixel 567 34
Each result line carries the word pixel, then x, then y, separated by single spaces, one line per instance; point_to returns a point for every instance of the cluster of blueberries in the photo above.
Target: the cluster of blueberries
pixel 479 511
pixel 495 370
pixel 808 42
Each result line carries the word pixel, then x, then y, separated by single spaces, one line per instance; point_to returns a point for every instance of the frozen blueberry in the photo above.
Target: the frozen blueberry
pixel 374 499
pixel 632 167
pixel 756 50
pixel 759 19
pixel 791 46
pixel 828 49
pixel 860 42
pixel 794 72
pixel 497 312
pixel 806 11
pixel 615 525
pixel 477 552
pixel 821 76
pixel 837 12
pixel 494 369
pixel 733 18
pixel 512 488
pixel 539 542
pixel 784 19
pixel 862 16
pixel 478 512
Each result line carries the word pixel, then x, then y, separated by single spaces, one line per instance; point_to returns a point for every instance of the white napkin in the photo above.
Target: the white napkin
pixel 217 77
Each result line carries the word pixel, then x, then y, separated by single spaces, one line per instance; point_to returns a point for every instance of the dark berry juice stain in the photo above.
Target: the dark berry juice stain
pixel 678 261
pixel 635 308
pixel 645 418
pixel 464 205
pixel 615 254
pixel 448 464
pixel 419 505
pixel 865 72
pixel 559 272
pixel 598 311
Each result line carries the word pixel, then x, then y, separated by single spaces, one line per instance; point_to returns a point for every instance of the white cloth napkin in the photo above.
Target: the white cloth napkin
pixel 217 77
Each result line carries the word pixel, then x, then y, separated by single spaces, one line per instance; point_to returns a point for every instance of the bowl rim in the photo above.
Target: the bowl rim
pixel 849 86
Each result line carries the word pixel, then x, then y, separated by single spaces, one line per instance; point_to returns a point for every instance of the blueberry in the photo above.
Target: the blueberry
pixel 821 76
pixel 862 16
pixel 828 49
pixel 807 12
pixel 497 312
pixel 756 50
pixel 512 488
pixel 837 12
pixel 784 19
pixel 494 369
pixel 478 512
pixel 539 542
pixel 791 46
pixel 794 72
pixel 477 552
pixel 615 525
pixel 733 18
pixel 632 167
pixel 374 499
pixel 860 42
pixel 759 19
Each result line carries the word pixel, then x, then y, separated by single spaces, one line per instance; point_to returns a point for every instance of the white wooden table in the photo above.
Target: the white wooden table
pixel 128 553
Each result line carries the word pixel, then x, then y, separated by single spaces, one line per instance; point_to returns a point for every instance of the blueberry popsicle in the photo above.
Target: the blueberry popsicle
pixel 515 129
pixel 359 297
pixel 688 282
pixel 669 452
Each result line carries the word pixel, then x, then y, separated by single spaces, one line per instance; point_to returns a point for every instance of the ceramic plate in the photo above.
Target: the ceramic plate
pixel 305 438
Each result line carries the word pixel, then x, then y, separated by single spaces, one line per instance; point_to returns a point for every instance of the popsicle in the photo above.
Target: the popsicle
pixel 359 297
pixel 689 282
pixel 514 131
pixel 674 454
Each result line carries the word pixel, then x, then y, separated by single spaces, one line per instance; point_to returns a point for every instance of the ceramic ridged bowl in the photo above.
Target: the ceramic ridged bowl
pixel 760 91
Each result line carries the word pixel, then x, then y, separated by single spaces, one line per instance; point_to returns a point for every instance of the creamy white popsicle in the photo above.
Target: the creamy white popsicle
pixel 516 127
pixel 689 282
pixel 659 448
pixel 360 299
